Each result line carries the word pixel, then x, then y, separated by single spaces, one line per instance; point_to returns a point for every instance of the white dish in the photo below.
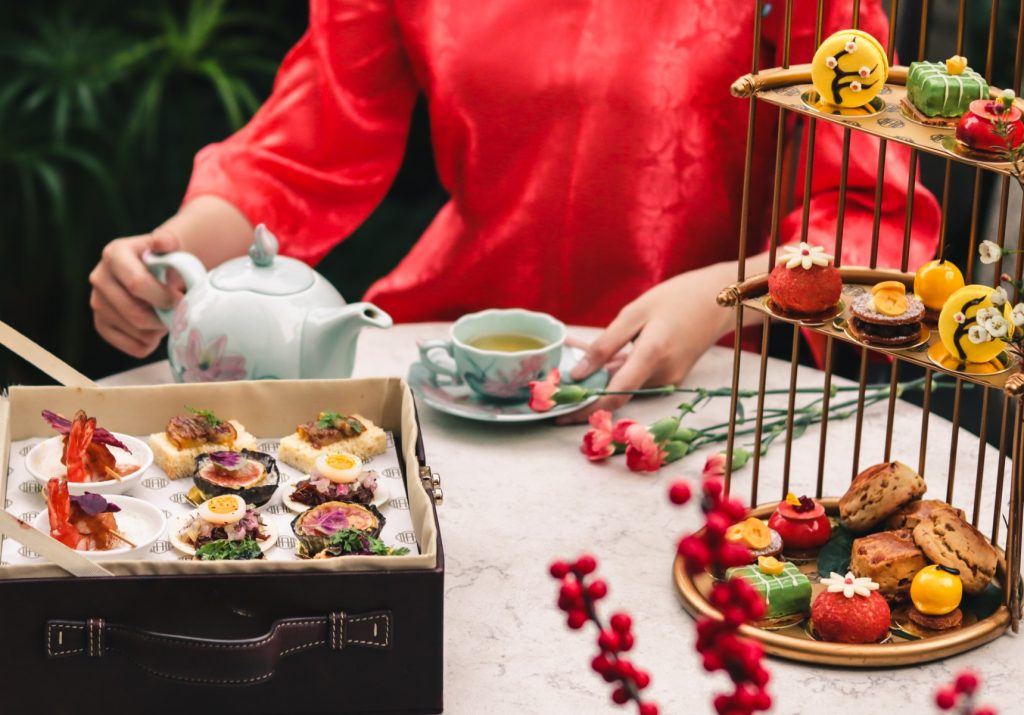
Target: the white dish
pixel 138 520
pixel 380 497
pixel 43 463
pixel 178 523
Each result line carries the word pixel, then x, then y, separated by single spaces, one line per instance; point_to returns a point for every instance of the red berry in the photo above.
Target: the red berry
pixel 559 569
pixel 648 709
pixel 712 487
pixel 626 669
pixel 585 564
pixel 600 663
pixel 621 622
pixel 620 696
pixel 734 509
pixel 712 662
pixel 608 640
pixel 679 493
pixel 717 524
pixel 945 699
pixel 626 641
pixel 597 589
pixel 985 711
pixel 967 682
pixel 576 620
pixel 571 590
pixel 642 679
pixel 764 700
pixel 730 555
pixel 694 552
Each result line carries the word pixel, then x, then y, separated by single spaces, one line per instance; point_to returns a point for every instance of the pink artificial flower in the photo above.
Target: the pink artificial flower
pixel 642 453
pixel 714 467
pixel 208 363
pixel 541 391
pixel 620 429
pixel 597 442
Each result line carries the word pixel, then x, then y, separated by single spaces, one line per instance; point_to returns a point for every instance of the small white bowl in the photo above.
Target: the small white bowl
pixel 138 520
pixel 43 462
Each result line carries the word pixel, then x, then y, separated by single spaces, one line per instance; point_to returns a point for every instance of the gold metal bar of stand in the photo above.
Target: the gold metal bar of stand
pixel 812 130
pixel 841 209
pixel 954 438
pixel 1013 532
pixel 819 22
pixel 997 511
pixel 856 14
pixel 1004 202
pixel 826 399
pixel 794 362
pixel 755 60
pixel 755 467
pixel 737 348
pixel 911 184
pixel 876 222
pixel 891 46
pixel 780 145
pixel 787 33
pixel 922 42
pixel 859 428
pixel 979 477
pixel 990 52
pixel 926 414
pixel 972 239
pixel 1018 58
pixel 945 209
pixel 960 20
pixel 891 415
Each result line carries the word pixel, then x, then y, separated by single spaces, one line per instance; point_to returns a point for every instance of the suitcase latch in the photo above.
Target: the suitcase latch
pixel 432 484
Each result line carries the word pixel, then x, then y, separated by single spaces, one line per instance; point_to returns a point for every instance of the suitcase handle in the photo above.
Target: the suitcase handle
pixel 209 661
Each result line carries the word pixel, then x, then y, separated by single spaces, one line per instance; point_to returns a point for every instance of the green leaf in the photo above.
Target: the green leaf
pixel 226 550
pixel 835 555
pixel 212 419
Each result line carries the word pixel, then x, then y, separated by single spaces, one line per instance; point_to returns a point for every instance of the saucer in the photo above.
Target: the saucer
pixel 462 401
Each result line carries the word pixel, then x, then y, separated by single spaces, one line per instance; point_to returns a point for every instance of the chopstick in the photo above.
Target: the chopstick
pixel 114 473
pixel 124 538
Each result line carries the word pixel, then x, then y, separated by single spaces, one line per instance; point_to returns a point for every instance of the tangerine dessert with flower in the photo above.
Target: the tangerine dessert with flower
pixel 804 283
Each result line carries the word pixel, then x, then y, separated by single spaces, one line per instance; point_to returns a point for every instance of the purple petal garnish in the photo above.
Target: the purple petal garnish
pixel 93 504
pixel 99 435
pixel 227 460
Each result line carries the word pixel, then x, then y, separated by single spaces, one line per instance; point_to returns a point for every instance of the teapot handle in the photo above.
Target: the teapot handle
pixel 188 266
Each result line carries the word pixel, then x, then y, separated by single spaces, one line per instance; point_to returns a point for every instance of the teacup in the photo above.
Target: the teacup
pixel 498 352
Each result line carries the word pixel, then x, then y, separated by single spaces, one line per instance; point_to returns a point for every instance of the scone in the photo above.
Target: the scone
pixel 175 449
pixel 331 433
pixel 891 558
pixel 917 511
pixel 948 540
pixel 877 493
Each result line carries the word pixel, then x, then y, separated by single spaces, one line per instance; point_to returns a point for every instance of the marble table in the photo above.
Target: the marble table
pixel 518 496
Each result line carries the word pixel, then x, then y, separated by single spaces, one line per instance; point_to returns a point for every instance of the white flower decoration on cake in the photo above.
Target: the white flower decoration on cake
pixel 989 251
pixel 864 72
pixel 804 255
pixel 978 335
pixel 851 46
pixel 959 317
pixel 999 297
pixel 1017 316
pixel 849 585
pixel 855 86
pixel 831 63
pixel 995 324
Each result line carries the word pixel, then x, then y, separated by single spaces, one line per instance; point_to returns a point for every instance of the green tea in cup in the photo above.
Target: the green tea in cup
pixel 507 343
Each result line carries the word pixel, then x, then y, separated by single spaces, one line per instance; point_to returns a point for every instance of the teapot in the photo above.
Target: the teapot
pixel 261 316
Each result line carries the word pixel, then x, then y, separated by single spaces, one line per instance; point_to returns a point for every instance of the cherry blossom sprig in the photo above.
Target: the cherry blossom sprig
pixel 959 696
pixel 578 597
pixel 718 640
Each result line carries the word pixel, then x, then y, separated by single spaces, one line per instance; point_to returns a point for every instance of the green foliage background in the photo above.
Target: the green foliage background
pixel 103 105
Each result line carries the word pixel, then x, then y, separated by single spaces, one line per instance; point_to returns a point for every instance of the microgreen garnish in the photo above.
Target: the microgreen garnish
pixel 212 419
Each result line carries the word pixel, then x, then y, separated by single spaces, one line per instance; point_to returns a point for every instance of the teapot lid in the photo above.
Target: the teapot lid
pixel 263 271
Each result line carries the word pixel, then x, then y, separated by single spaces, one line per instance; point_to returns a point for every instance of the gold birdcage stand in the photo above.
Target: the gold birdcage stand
pixel 782 88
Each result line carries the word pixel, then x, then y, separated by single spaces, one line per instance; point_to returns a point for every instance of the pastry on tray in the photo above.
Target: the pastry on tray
pixel 785 590
pixel 887 316
pixel 968 320
pixel 890 558
pixel 850 610
pixel 254 476
pixel 315 528
pixel 849 69
pixel 948 540
pixel 934 282
pixel 877 493
pixel 976 132
pixel 331 433
pixel 189 435
pixel 916 511
pixel 758 538
pixel 939 93
pixel 802 524
pixel 936 594
pixel 804 283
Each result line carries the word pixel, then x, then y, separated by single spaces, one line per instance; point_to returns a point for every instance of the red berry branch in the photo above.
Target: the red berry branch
pixel 960 695
pixel 718 640
pixel 578 597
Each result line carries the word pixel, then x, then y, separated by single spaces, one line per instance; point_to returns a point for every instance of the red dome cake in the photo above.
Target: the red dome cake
pixel 850 611
pixel 977 128
pixel 804 282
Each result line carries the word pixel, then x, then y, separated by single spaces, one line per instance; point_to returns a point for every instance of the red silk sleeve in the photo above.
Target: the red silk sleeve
pixel 322 151
pixel 863 166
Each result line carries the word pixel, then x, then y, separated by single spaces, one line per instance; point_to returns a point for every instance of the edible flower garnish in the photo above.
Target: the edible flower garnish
pixel 100 436
pixel 799 504
pixel 325 523
pixel 93 504
pixel 212 419
pixel 804 255
pixel 849 585
pixel 227 460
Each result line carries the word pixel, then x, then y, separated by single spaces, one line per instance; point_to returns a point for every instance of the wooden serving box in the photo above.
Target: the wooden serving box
pixel 344 635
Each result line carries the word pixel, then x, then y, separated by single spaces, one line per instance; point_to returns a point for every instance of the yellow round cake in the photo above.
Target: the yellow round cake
pixel 849 69
pixel 960 313
pixel 935 281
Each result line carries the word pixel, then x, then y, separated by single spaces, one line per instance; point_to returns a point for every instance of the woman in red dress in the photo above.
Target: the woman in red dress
pixel 593 155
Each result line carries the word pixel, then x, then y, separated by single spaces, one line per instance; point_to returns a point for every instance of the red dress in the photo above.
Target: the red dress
pixel 591 148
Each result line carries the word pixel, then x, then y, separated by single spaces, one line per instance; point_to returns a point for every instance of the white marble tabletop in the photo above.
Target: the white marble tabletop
pixel 518 496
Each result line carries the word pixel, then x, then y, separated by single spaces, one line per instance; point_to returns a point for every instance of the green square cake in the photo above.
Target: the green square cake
pixel 937 93
pixel 784 594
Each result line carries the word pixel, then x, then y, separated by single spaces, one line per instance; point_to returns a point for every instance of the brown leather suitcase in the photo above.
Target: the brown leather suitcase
pixel 360 635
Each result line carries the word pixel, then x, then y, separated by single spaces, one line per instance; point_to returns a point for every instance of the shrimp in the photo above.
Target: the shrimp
pixel 76 446
pixel 58 504
pixel 75 528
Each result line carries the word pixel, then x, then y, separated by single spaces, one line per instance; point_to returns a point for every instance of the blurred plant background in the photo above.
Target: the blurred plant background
pixel 103 104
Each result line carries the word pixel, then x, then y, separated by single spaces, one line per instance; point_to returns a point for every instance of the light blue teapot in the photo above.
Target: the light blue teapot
pixel 261 316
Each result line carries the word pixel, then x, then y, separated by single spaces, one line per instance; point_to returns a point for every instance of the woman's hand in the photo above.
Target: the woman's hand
pixel 671 326
pixel 124 293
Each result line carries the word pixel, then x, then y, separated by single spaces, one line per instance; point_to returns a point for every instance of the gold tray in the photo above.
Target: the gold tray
pixel 794 643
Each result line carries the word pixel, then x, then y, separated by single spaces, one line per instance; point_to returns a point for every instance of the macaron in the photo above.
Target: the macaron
pixel 849 69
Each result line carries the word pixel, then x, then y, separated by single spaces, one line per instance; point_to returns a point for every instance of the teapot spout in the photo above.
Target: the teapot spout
pixel 329 337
